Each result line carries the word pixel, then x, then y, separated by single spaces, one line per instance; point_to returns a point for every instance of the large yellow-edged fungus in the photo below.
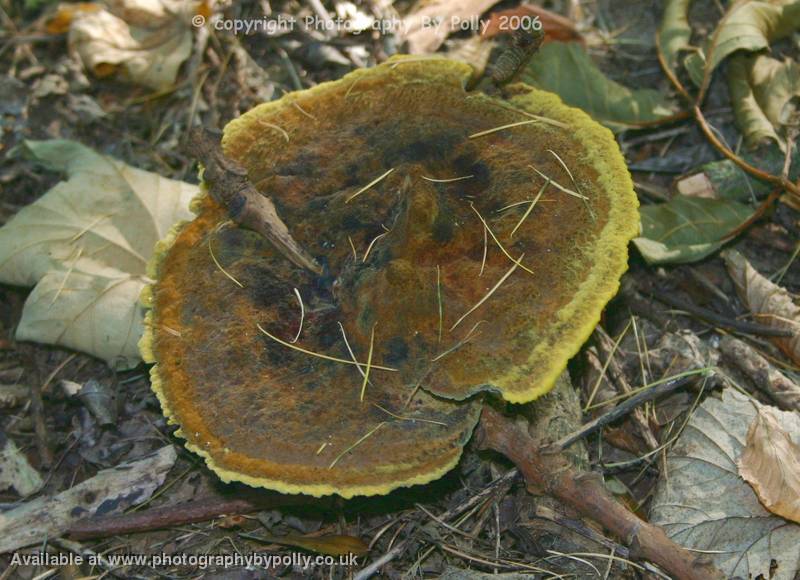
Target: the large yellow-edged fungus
pixel 406 190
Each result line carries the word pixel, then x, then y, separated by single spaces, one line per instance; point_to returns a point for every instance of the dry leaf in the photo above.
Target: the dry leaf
pixel 15 471
pixel 148 40
pixel 703 504
pixel 431 22
pixel 769 303
pixel 85 245
pixel 770 463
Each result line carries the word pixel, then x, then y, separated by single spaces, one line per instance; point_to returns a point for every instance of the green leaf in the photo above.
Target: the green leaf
pixel 751 25
pixel 566 69
pixel 674 32
pixel 687 229
pixel 85 245
pixel 761 88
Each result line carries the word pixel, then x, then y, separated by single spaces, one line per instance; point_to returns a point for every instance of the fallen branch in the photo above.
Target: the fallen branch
pixel 719 320
pixel 620 411
pixel 585 492
pixel 229 186
pixel 198 510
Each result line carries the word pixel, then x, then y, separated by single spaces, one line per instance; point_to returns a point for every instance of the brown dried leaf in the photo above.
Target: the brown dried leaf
pixel 332 545
pixel 556 26
pixel 771 304
pixel 770 463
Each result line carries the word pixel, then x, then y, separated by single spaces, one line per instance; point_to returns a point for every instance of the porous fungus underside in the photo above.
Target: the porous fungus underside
pixel 455 308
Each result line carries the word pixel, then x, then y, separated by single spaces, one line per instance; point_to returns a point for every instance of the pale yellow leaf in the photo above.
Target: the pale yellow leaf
pixel 85 244
pixel 148 40
pixel 770 463
pixel 430 22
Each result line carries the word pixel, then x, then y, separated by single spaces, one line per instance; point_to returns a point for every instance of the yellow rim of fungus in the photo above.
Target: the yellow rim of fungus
pixel 603 283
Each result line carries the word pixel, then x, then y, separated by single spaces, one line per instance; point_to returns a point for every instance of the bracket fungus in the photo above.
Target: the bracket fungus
pixel 453 243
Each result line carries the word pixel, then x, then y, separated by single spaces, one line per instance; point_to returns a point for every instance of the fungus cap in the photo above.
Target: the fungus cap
pixel 470 244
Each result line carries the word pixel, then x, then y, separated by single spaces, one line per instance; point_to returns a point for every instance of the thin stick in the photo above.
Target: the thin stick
pixel 503 127
pixel 488 294
pixel 530 209
pixel 370 184
pixel 620 410
pixel 320 355
pixel 302 314
pixel 447 180
pixel 439 299
pixel 586 494
pixel 369 364
pixel 719 320
pixel 356 444
pixel 496 241
pixel 559 186
pixel 605 367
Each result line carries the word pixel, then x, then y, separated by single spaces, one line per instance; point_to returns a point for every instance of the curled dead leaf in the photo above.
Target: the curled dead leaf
pixel 147 41
pixel 770 304
pixel 770 463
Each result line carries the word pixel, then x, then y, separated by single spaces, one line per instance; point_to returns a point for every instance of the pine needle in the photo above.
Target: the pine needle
pixel 452 179
pixel 530 209
pixel 496 241
pixel 320 355
pixel 574 183
pixel 401 418
pixel 413 60
pixel 171 331
pixel 302 110
pixel 350 88
pixel 372 243
pixel 485 249
pixel 507 107
pixel 439 300
pixel 353 247
pixel 367 186
pixel 219 266
pixel 302 314
pixel 350 350
pixel 502 128
pixel 559 186
pixel 281 130
pixel 370 433
pixel 369 364
pixel 460 343
pixel 490 292
pixel 322 447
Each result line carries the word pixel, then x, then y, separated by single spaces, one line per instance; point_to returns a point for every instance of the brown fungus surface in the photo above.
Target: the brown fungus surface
pixel 390 178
